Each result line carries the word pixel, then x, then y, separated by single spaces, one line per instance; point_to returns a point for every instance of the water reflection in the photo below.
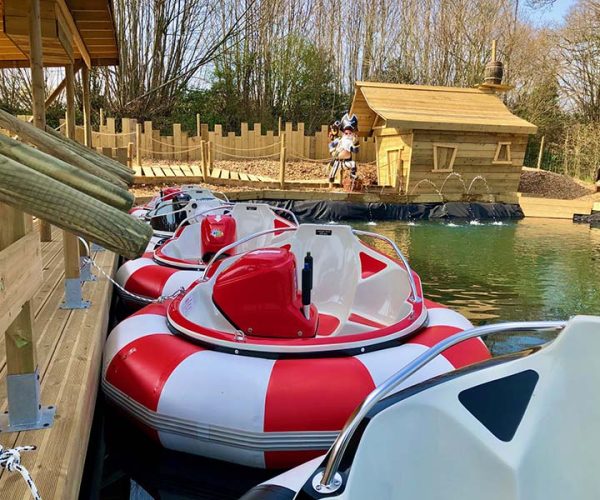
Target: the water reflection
pixel 528 270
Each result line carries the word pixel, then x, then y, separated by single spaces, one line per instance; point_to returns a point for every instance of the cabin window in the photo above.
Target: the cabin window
pixel 502 155
pixel 443 157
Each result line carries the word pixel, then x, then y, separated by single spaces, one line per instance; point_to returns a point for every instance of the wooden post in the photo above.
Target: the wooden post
pixel 279 126
pixel 138 144
pixel 209 156
pixel 20 347
pixel 70 241
pixel 541 153
pixel 130 154
pixel 282 162
pixel 493 50
pixel 36 65
pixel 203 160
pixel 87 110
pixel 177 143
pixel 101 118
pixel 198 126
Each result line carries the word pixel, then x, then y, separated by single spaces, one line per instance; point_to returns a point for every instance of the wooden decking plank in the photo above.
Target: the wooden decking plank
pixel 244 176
pixel 148 171
pixel 157 171
pixel 196 170
pixel 225 174
pixel 167 171
pixel 137 170
pixel 216 173
pixel 235 175
pixel 177 171
pixel 187 171
pixel 253 178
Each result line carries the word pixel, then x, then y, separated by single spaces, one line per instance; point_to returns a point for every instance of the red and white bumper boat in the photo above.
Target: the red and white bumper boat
pixel 180 260
pixel 166 211
pixel 262 360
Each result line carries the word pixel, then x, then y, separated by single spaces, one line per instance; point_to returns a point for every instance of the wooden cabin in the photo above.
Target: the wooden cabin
pixel 424 132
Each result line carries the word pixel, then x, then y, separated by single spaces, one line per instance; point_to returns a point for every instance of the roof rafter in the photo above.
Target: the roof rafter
pixel 64 9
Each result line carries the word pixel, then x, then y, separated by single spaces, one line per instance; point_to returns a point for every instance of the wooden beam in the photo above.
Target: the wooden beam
pixel 87 109
pixel 70 242
pixel 60 87
pixel 64 9
pixel 37 83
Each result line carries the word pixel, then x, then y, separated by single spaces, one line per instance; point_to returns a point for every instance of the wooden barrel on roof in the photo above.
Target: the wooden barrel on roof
pixel 494 70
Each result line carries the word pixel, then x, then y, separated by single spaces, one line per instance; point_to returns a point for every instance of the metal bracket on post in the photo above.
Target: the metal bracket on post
pixel 25 412
pixel 73 296
pixel 85 269
pixel 97 248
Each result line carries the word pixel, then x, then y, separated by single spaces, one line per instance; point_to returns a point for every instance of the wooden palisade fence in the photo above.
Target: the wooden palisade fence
pixel 250 143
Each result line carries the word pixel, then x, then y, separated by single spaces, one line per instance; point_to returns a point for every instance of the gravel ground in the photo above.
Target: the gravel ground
pixel 543 184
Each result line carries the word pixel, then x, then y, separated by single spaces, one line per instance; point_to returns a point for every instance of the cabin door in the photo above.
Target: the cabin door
pixel 395 167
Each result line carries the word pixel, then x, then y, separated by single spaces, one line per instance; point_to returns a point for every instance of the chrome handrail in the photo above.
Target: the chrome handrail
pixel 199 214
pixel 411 279
pixel 245 239
pixel 331 480
pixel 223 194
pixel 156 216
pixel 162 204
pixel 231 205
pixel 287 211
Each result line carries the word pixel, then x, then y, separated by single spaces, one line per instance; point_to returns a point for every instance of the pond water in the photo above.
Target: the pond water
pixel 534 269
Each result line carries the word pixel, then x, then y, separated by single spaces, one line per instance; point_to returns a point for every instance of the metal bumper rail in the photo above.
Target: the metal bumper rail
pixel 411 279
pixel 330 480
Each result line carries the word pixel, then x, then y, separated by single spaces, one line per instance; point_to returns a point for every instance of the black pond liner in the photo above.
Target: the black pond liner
pixel 593 220
pixel 327 211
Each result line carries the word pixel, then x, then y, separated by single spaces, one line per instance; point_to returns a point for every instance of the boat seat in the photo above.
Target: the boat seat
pixel 336 267
pixel 250 218
pixel 382 290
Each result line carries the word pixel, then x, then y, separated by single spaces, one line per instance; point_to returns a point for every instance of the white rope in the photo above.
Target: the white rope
pixel 169 152
pixel 141 298
pixel 10 459
pixel 221 146
pixel 248 157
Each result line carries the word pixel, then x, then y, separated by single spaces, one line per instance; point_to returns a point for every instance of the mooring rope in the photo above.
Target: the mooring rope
pixel 89 259
pixel 10 459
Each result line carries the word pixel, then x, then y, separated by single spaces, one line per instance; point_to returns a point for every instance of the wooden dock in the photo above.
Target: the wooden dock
pixel 192 174
pixel 554 209
pixel 69 351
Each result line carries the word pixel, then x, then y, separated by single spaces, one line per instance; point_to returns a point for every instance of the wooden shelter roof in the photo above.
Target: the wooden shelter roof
pixel 72 31
pixel 422 107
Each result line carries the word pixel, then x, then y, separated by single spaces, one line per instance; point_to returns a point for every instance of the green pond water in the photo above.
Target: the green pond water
pixel 533 269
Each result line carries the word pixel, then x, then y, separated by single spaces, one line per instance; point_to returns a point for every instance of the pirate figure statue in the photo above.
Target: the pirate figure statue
pixel 342 148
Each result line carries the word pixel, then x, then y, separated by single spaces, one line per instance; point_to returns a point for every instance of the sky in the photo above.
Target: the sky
pixel 551 15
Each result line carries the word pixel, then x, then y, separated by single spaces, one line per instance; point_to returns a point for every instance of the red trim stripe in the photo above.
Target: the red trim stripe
pixel 327 324
pixel 466 353
pixel 361 320
pixel 369 265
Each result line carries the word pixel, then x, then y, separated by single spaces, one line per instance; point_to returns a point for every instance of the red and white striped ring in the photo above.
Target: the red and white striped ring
pixel 270 413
